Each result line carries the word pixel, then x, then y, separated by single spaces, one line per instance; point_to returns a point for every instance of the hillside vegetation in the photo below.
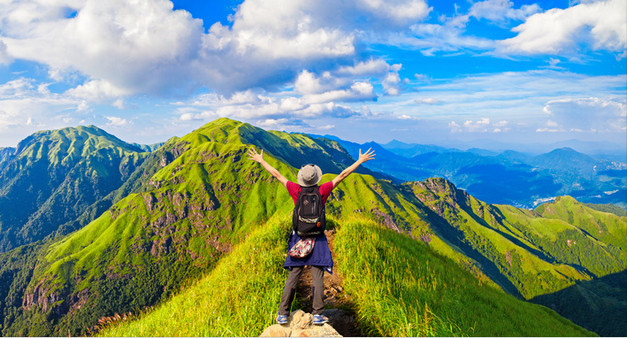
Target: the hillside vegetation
pixel 238 298
pixel 53 176
pixel 191 204
pixel 523 251
pixel 400 288
pixel 198 196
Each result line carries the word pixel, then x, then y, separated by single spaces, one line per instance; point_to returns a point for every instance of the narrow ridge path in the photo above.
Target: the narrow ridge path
pixel 339 307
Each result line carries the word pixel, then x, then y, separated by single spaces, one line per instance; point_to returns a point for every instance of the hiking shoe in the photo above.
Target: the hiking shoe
pixel 281 319
pixel 320 319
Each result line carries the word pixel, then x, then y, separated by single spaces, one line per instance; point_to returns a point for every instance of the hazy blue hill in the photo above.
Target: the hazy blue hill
pixel 517 185
pixel 509 177
pixel 387 162
pixel 567 160
pixel 514 156
pixel 55 175
pixel 599 149
pixel 587 179
pixel 411 150
pixel 6 154
pixel 489 178
pixel 482 152
pixel 148 147
pixel 448 163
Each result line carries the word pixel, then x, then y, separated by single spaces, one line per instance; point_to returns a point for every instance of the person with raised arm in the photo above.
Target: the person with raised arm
pixel 308 244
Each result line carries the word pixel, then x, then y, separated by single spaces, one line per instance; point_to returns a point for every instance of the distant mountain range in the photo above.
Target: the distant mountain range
pixel 508 177
pixel 138 226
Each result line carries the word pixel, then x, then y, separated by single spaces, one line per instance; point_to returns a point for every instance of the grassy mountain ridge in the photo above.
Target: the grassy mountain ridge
pixel 137 182
pixel 536 254
pixel 597 224
pixel 54 175
pixel 419 293
pixel 237 298
pixel 197 197
pixel 189 211
pixel 475 228
pixel 161 237
pixel 611 208
pixel 400 287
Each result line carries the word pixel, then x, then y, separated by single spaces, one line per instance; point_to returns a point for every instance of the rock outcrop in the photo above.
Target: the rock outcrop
pixel 300 324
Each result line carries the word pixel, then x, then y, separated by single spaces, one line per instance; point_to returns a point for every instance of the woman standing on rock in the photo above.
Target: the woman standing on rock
pixel 308 244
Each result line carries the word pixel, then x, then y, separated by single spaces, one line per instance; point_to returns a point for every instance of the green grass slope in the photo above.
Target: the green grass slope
pixel 55 175
pixel 400 287
pixel 607 227
pixel 523 251
pixel 610 208
pixel 237 298
pixel 137 182
pixel 194 198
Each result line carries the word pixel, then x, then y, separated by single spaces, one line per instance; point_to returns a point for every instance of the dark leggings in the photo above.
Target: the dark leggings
pixel 317 276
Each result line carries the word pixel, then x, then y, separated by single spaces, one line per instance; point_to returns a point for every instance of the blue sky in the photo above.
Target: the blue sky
pixel 439 72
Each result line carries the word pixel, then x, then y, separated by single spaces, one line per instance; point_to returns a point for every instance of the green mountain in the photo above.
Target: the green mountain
pixel 396 285
pixel 196 200
pixel 611 208
pixel 53 176
pixel 196 212
pixel 527 252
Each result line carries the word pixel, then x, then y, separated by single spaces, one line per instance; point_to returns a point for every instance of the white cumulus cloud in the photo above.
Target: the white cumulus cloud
pixel 600 24
pixel 117 121
pixel 501 10
pixel 145 46
pixel 587 114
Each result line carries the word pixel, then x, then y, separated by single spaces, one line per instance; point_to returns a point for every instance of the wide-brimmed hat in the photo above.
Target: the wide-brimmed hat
pixel 308 175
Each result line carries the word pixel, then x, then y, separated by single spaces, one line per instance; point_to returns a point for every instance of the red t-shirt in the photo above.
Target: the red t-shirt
pixel 294 190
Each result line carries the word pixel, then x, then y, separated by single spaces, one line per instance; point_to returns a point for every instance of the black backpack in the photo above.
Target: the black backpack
pixel 309 219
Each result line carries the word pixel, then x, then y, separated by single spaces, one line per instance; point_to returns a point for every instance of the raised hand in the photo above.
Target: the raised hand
pixel 367 156
pixel 253 155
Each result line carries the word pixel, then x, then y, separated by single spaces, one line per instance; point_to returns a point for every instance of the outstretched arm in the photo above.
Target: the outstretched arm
pixel 369 155
pixel 253 155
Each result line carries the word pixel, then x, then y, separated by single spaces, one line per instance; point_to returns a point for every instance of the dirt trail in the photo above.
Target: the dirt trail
pixel 339 307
